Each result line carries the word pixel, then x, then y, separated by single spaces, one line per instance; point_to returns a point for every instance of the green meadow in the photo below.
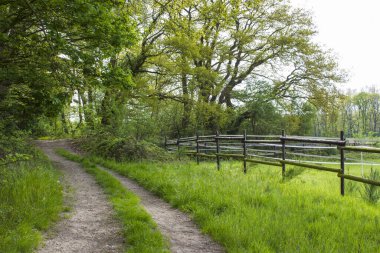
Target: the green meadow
pixel 261 212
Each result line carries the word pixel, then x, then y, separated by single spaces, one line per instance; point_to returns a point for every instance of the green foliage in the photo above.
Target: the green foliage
pixel 140 231
pixel 13 158
pixel 256 212
pixel 371 192
pixel 13 144
pixel 73 66
pixel 49 48
pixel 189 62
pixel 357 114
pixel 30 200
pixel 123 149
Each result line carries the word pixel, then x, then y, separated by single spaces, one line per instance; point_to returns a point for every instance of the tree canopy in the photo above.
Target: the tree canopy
pixel 46 47
pixel 173 67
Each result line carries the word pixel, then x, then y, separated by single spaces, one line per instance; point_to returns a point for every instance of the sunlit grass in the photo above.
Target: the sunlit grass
pixel 260 212
pixel 30 199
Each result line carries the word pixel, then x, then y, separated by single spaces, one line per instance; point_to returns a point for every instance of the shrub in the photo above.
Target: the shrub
pixel 371 192
pixel 123 149
pixel 13 143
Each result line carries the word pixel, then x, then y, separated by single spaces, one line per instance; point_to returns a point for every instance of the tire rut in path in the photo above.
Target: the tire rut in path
pixel 183 234
pixel 91 226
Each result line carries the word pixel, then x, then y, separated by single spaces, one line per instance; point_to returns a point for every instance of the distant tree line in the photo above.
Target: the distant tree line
pixel 358 114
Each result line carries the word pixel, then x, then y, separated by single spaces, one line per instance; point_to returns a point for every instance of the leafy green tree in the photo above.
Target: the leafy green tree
pixel 199 52
pixel 45 48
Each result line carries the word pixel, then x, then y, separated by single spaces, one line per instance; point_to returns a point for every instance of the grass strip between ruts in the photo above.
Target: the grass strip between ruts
pixel 140 231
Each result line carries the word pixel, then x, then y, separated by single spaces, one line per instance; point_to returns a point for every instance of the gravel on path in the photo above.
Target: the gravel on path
pixel 91 226
pixel 182 232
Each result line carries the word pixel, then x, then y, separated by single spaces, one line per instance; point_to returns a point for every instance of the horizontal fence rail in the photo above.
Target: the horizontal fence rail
pixel 275 150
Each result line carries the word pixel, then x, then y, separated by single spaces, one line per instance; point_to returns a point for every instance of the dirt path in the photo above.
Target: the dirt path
pixel 92 229
pixel 183 234
pixel 91 226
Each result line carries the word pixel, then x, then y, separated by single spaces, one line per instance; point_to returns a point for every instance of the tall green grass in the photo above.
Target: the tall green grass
pixel 259 212
pixel 140 231
pixel 30 200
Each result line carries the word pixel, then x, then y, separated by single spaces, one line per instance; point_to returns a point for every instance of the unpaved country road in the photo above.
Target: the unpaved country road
pixel 177 227
pixel 91 226
pixel 183 234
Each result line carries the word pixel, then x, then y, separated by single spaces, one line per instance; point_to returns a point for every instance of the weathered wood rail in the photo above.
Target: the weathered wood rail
pixel 215 146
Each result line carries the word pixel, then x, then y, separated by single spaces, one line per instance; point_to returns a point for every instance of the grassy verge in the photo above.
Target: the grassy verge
pixel 30 200
pixel 259 212
pixel 140 231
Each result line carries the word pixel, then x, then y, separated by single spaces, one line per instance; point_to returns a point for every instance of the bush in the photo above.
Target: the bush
pixel 13 143
pixel 371 192
pixel 123 149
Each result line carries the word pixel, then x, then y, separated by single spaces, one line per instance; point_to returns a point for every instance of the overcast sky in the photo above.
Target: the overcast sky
pixel 352 29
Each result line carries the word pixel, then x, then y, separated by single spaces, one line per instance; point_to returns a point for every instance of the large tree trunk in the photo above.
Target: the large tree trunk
pixel 225 96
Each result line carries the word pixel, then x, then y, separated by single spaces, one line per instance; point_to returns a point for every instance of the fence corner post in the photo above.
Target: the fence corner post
pixel 217 150
pixel 245 151
pixel 283 153
pixel 197 143
pixel 342 138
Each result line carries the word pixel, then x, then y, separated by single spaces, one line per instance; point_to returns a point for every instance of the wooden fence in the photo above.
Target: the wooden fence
pixel 274 150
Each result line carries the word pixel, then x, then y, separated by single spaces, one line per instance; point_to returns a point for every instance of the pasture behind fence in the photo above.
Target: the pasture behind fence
pixel 274 150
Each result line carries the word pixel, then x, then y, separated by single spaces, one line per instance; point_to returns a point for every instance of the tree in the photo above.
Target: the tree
pixel 45 46
pixel 199 52
pixel 197 56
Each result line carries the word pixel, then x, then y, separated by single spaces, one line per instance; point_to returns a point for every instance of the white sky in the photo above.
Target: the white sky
pixel 351 28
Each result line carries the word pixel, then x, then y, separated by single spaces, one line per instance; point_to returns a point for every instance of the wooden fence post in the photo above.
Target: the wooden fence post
pixel 245 151
pixel 166 145
pixel 283 153
pixel 342 164
pixel 196 139
pixel 217 150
